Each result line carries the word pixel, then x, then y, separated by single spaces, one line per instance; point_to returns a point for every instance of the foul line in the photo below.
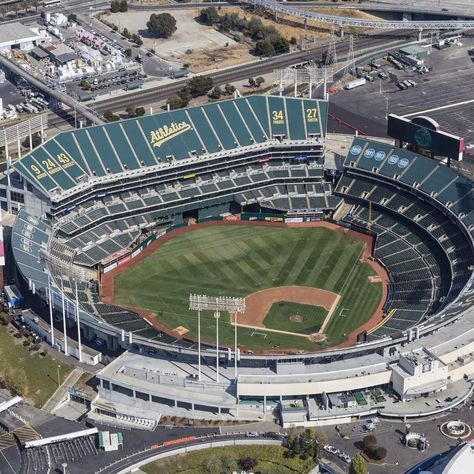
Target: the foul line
pixel 443 107
pixel 330 313
pixel 270 330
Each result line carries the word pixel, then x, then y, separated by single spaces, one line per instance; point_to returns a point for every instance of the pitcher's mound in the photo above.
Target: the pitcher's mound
pixel 296 318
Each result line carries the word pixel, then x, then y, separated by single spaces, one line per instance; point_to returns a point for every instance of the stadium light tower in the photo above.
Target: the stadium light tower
pixel 217 304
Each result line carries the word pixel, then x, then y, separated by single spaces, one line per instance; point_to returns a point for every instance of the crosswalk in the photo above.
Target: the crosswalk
pixel 23 433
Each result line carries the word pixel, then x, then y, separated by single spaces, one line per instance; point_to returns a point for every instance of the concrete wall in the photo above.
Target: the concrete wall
pixel 313 388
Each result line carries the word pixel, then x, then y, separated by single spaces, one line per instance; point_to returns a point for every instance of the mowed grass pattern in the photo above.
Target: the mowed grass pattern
pixel 280 314
pixel 239 260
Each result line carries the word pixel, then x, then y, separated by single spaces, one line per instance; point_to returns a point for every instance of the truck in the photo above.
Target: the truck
pixel 13 297
pixel 353 84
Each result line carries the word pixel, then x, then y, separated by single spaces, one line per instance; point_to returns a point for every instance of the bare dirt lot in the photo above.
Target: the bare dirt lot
pixel 190 35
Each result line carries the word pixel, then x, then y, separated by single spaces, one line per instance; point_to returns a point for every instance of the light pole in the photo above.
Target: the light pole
pixel 59 378
pixel 217 305
pixel 386 107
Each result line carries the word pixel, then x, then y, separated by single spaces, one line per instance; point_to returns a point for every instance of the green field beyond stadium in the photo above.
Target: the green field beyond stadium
pixel 238 260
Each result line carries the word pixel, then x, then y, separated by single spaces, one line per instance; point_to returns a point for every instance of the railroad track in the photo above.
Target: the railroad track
pixel 237 73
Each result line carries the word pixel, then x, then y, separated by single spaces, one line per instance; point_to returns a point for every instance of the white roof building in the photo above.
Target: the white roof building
pixel 17 35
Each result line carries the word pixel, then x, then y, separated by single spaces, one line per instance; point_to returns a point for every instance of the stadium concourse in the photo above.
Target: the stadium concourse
pixel 90 200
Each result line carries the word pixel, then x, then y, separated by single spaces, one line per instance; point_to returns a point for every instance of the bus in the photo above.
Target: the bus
pixel 51 3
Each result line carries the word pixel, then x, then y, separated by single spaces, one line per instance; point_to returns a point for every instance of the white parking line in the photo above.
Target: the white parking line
pixel 443 107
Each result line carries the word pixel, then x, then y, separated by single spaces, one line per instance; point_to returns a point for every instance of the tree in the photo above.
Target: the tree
pixel 379 453
pixel 126 33
pixel 130 112
pixel 248 463
pixel 85 85
pixel 175 102
pixel 185 96
pixel 114 7
pixel 259 81
pixel 229 89
pixel 162 25
pixel 369 441
pixel 72 17
pixel 123 6
pixel 252 82
pixel 209 16
pixel 280 44
pixel 293 40
pixel 200 85
pixel 264 48
pixel 358 465
pixel 110 117
pixel 137 39
pixel 35 140
pixel 216 93
pixel 139 111
pixel 128 52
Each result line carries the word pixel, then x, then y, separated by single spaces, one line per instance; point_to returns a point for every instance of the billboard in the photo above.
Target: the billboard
pixel 422 137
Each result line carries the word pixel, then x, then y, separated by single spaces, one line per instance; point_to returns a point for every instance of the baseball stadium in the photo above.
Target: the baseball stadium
pixel 234 267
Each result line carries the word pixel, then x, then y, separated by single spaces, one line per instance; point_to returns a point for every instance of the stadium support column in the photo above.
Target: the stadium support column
pixel 420 34
pixel 217 315
pixel 235 346
pixel 199 344
pixel 50 300
pixel 78 324
pixel 341 31
pixel 66 352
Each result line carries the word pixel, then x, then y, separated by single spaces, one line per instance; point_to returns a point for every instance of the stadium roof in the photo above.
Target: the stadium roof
pixel 115 149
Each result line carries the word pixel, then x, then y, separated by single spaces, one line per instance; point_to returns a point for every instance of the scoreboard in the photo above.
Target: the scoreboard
pixel 436 142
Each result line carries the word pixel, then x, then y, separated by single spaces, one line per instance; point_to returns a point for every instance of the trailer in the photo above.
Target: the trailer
pixel 13 296
pixel 357 83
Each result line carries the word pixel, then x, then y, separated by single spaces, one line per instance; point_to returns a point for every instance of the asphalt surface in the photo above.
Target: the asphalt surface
pixel 364 108
pixel 389 434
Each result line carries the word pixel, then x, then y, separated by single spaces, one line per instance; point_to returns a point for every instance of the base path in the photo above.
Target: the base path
pixel 259 303
pixel 256 313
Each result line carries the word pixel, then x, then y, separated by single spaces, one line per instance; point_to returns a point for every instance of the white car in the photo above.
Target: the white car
pixel 345 457
pixel 470 146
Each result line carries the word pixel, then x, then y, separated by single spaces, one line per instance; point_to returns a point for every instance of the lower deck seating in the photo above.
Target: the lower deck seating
pixel 418 284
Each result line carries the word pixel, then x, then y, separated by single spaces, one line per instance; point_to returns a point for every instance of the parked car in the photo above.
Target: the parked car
pixel 345 457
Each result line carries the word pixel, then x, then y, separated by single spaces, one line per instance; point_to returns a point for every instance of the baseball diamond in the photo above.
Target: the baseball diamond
pixel 259 263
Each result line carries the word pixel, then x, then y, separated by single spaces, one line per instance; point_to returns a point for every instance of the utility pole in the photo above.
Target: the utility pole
pixel 331 56
pixel 350 66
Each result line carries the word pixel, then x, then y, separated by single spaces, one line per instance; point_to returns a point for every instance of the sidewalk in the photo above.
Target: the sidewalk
pixel 61 393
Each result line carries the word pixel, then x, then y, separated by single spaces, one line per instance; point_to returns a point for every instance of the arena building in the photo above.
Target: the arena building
pixel 91 201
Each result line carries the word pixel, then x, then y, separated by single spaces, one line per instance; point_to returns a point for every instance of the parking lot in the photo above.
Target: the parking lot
pixel 348 438
pixel 443 94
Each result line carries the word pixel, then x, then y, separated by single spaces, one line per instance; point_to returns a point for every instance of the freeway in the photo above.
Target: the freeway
pixel 60 96
pixel 343 21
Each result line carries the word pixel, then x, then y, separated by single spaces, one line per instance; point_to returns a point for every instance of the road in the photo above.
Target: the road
pixel 60 96
pixel 148 454
pixel 237 73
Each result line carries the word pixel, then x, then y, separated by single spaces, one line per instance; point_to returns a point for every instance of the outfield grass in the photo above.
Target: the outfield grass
pixel 271 460
pixel 239 260
pixel 41 372
pixel 278 317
